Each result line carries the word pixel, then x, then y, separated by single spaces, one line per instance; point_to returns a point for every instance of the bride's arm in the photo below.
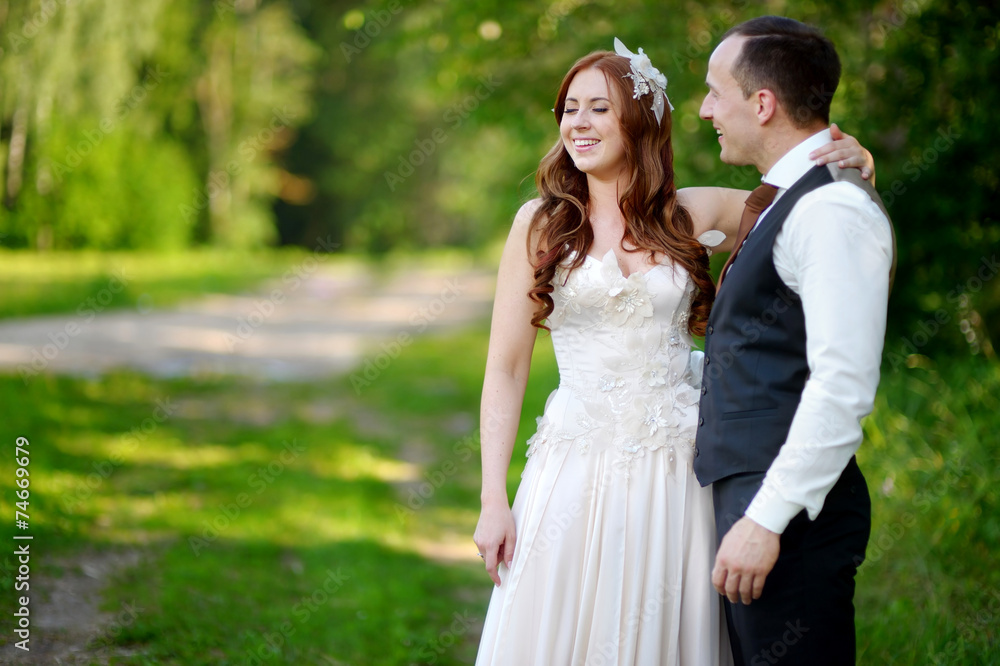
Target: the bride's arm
pixel 715 208
pixel 720 208
pixel 512 339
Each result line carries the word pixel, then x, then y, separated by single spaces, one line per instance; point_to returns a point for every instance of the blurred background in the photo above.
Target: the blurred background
pixel 280 220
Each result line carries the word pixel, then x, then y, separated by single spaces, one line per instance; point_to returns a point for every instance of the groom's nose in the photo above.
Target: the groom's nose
pixel 705 112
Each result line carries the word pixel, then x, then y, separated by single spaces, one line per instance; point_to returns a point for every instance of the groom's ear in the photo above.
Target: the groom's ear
pixel 765 105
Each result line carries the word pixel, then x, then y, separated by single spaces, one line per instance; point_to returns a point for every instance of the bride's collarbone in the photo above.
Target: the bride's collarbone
pixel 634 261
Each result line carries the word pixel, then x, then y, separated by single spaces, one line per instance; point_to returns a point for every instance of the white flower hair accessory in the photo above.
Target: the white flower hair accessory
pixel 646 79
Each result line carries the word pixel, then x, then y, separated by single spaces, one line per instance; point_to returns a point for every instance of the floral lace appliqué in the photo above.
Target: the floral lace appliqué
pixel 641 398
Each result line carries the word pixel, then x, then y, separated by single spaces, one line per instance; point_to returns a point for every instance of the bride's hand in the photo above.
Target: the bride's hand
pixel 495 536
pixel 847 152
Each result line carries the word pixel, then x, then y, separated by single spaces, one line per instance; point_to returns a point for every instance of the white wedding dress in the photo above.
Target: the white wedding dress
pixel 615 537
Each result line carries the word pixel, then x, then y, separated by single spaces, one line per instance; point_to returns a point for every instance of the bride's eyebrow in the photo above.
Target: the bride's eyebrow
pixel 592 99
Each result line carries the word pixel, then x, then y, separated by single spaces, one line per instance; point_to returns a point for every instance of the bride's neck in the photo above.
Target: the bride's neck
pixel 604 200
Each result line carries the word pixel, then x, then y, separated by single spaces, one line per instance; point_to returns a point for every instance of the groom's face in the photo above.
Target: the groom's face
pixel 731 114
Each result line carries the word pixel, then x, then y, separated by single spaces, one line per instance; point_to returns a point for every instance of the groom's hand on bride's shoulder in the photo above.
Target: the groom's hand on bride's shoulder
pixel 745 558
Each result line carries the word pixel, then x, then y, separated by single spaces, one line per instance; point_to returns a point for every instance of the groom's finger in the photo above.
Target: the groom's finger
pixel 758 586
pixel 719 578
pixel 747 584
pixel 733 582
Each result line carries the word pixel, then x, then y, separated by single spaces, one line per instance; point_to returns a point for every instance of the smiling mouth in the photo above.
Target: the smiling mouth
pixel 585 143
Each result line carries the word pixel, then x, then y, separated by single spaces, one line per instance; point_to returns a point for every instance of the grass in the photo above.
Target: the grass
pixel 269 514
pixel 929 592
pixel 308 524
pixel 337 528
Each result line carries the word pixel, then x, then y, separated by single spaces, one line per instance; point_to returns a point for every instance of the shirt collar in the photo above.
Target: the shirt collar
pixel 795 163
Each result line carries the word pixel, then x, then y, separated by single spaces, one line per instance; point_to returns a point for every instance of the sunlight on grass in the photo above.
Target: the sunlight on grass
pixel 351 461
pixel 166 451
pixel 316 524
pixel 31 266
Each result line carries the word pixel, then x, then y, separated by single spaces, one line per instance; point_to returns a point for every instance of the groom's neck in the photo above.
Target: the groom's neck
pixel 780 140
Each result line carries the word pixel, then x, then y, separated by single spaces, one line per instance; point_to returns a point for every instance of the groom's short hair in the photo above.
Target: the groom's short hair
pixel 791 59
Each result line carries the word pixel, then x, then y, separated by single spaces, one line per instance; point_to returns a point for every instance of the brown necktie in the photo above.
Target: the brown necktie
pixel 758 200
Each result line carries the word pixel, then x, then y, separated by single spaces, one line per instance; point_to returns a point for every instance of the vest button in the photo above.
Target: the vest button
pixel 707 359
pixel 704 390
pixel 696 453
pixel 711 330
pixel 701 421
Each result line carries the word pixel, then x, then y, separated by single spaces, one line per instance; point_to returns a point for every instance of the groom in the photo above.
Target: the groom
pixel 792 354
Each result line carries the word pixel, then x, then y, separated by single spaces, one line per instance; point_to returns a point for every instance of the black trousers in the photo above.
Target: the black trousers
pixel 806 612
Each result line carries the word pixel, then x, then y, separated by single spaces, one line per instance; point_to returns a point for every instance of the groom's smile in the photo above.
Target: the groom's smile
pixel 725 105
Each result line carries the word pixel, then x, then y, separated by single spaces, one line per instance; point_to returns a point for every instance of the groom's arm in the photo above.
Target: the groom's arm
pixel 836 255
pixel 834 250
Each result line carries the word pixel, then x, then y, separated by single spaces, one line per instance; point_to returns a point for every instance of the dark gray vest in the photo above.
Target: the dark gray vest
pixel 755 350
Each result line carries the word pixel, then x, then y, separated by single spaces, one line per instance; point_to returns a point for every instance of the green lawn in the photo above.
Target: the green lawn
pixel 929 592
pixel 335 527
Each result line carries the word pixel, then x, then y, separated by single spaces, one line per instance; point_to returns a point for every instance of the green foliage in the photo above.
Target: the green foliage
pixel 119 134
pixel 391 124
pixel 124 191
pixel 929 113
pixel 435 156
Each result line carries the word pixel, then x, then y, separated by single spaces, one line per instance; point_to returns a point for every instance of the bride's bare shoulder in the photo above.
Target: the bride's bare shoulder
pixel 527 212
pixel 522 225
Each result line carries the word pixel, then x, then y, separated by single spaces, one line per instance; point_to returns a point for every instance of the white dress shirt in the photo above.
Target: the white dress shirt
pixel 834 250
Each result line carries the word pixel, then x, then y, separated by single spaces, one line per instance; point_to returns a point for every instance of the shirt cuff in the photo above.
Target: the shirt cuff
pixel 770 511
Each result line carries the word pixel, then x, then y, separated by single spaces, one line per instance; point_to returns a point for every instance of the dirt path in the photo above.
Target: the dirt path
pixel 68 626
pixel 337 319
pixel 320 326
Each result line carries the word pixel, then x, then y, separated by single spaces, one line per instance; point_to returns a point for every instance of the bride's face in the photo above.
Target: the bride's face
pixel 590 127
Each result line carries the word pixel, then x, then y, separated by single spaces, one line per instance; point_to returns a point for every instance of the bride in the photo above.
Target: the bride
pixel 606 555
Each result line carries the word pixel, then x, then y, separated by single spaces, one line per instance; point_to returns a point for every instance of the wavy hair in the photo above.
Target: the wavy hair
pixel 655 222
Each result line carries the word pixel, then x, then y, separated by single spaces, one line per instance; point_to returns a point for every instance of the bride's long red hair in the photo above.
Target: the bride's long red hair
pixel 655 222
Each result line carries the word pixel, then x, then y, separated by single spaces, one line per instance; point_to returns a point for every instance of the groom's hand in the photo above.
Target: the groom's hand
pixel 745 558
